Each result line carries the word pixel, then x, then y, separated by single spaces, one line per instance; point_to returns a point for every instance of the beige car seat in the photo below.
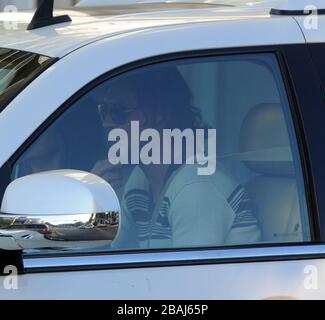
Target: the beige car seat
pixel 265 147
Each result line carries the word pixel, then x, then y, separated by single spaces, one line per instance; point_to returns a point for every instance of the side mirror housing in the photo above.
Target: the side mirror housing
pixel 62 209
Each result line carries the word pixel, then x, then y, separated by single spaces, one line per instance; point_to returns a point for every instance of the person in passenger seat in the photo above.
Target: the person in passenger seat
pixel 170 204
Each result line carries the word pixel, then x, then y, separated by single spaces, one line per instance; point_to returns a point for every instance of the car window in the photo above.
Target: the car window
pixel 200 151
pixel 16 69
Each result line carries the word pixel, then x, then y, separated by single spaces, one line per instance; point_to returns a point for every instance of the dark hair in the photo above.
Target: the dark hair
pixel 162 89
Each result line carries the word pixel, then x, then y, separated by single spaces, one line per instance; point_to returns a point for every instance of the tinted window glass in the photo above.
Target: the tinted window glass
pixel 16 69
pixel 201 153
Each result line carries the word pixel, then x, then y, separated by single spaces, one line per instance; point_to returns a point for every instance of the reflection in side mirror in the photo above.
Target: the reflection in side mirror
pixel 64 209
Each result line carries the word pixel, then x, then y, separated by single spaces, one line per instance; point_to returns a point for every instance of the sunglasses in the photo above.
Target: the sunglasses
pixel 116 111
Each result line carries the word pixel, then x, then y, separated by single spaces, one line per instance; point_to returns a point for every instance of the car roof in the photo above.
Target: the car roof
pixel 90 24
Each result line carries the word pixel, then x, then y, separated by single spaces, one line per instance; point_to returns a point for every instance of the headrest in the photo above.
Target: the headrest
pixel 264 141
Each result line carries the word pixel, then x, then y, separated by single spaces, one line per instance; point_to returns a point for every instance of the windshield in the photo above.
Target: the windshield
pixel 17 69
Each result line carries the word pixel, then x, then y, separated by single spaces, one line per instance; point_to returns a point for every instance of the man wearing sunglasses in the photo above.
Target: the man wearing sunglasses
pixel 116 110
pixel 169 205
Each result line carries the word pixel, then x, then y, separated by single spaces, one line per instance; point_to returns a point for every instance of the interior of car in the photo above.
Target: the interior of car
pixel 244 99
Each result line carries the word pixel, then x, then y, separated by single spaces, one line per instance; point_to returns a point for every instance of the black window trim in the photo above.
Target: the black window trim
pixel 295 108
pixel 281 53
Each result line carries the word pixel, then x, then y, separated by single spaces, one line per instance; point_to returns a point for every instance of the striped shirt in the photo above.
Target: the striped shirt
pixel 192 210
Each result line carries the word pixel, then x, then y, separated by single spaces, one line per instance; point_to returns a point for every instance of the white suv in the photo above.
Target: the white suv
pixel 171 149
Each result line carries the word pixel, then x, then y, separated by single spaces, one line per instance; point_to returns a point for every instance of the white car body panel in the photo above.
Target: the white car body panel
pixel 264 3
pixel 99 3
pixel 299 4
pixel 260 280
pixel 312 26
pixel 313 31
pixel 33 106
pixel 62 39
pixel 59 40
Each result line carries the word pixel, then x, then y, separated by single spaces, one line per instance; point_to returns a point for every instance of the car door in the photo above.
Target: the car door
pixel 260 235
pixel 250 227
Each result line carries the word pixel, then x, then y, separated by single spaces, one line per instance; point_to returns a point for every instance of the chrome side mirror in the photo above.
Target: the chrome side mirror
pixel 61 210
